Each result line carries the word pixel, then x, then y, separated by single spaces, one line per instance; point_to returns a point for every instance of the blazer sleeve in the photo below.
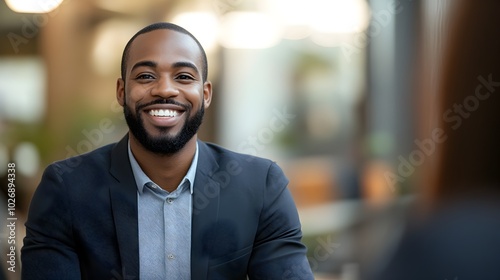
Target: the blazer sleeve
pixel 49 249
pixel 278 251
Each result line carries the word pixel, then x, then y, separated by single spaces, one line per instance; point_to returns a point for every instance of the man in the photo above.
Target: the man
pixel 160 204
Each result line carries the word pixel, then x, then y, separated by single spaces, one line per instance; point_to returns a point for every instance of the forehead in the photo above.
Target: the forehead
pixel 164 46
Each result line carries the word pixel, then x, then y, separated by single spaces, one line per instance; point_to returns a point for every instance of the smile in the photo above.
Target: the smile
pixel 164 113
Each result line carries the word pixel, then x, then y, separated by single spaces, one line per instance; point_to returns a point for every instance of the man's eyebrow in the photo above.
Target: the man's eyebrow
pixel 144 63
pixel 152 64
pixel 182 64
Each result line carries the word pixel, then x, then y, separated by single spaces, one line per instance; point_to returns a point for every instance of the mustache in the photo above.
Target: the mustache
pixel 162 101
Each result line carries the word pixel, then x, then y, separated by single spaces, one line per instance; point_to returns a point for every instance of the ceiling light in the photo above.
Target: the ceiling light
pixel 203 25
pixel 324 17
pixel 33 6
pixel 249 30
pixel 339 16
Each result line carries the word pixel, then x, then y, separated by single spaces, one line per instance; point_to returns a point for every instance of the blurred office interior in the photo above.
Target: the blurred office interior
pixel 340 93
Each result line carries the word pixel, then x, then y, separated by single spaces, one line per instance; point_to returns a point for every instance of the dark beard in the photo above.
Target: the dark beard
pixel 164 144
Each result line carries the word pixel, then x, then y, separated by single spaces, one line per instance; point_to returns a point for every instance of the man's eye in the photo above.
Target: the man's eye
pixel 145 77
pixel 184 77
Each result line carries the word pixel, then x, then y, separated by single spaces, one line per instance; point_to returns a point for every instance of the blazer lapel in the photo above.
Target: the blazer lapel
pixel 124 206
pixel 205 212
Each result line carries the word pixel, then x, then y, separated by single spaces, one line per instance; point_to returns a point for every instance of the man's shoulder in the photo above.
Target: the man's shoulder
pixel 247 166
pixel 246 174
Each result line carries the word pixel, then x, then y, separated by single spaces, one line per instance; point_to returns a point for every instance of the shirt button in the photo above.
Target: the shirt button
pixel 170 200
pixel 170 256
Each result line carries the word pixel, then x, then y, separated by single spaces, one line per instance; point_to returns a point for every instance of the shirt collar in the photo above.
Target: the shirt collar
pixel 142 179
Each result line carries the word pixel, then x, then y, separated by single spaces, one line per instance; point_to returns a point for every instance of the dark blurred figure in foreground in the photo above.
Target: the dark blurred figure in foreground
pixel 458 237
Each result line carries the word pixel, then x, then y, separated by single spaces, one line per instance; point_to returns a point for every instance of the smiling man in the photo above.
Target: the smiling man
pixel 161 204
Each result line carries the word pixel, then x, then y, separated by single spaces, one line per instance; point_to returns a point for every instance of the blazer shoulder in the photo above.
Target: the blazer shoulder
pixel 249 167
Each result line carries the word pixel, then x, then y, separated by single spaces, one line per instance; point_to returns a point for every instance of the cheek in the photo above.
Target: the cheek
pixel 128 102
pixel 136 93
pixel 195 96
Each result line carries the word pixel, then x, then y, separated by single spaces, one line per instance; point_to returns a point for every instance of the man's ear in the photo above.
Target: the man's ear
pixel 120 91
pixel 207 93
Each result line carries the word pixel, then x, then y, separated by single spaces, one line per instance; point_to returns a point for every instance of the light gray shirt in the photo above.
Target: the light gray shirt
pixel 164 225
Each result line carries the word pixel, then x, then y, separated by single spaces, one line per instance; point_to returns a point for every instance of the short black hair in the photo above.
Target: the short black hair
pixel 169 26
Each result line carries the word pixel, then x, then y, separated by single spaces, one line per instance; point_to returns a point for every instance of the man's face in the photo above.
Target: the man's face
pixel 163 94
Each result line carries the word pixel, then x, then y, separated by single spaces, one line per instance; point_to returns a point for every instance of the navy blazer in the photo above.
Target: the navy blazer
pixel 82 222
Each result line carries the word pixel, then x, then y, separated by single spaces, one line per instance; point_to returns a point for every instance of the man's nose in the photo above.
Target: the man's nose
pixel 165 88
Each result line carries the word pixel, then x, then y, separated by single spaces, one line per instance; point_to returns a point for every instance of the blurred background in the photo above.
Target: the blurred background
pixel 341 93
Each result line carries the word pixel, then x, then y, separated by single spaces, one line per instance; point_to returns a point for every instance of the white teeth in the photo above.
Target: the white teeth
pixel 163 113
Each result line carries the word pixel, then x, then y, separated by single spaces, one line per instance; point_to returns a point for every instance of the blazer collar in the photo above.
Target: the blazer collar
pixel 123 195
pixel 205 211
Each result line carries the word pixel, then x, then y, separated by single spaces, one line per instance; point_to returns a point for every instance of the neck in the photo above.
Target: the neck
pixel 166 171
